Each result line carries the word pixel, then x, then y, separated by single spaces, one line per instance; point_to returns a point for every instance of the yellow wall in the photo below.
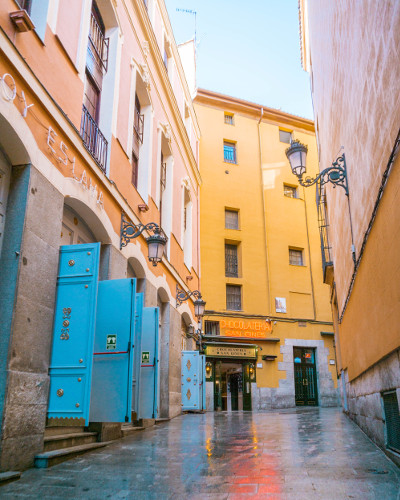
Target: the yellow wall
pixel 268 220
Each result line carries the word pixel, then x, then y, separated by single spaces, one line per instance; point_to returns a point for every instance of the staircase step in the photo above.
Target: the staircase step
pixel 55 431
pixel 8 477
pixel 162 420
pixel 49 458
pixel 128 429
pixel 69 440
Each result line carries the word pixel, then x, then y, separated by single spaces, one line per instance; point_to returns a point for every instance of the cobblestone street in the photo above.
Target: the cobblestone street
pixel 294 454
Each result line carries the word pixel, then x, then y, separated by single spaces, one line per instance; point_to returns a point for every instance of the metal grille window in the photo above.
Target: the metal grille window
pixel 231 261
pixel 295 257
pixel 290 191
pixel 230 152
pixel 392 418
pixel 228 118
pixel 285 136
pixel 233 297
pixel 211 327
pixel 98 43
pixel 231 219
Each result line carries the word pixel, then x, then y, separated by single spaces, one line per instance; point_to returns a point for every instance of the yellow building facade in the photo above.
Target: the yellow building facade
pixel 268 327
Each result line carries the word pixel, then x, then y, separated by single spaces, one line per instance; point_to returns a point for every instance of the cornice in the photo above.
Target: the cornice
pixel 155 53
pixel 215 99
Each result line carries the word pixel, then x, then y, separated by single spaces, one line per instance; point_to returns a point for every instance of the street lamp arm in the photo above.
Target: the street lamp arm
pixel 336 174
pixel 182 296
pixel 130 230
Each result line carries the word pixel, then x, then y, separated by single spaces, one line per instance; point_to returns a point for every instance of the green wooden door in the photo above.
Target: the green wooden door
pixel 246 387
pixel 305 377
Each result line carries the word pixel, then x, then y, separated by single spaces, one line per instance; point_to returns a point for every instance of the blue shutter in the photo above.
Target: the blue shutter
pixel 149 364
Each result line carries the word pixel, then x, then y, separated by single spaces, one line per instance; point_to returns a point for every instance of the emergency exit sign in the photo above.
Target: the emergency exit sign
pixel 111 342
pixel 145 357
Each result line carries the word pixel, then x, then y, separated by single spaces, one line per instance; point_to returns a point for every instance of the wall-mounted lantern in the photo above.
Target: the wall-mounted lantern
pixel 156 242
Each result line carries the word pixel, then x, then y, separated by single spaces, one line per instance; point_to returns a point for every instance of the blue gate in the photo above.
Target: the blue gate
pixel 193 381
pixel 73 333
pixel 149 364
pixel 111 396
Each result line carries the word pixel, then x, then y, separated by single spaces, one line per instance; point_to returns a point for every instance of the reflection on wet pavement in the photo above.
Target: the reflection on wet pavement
pixel 294 454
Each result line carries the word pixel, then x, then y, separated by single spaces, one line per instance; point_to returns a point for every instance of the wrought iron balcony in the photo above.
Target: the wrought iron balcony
pixel 93 139
pixel 98 44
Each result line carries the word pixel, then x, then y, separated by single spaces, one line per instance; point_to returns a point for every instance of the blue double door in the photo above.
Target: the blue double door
pixel 99 329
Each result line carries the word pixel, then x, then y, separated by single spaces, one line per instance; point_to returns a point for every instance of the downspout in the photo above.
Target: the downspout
pixel 264 212
pixel 309 256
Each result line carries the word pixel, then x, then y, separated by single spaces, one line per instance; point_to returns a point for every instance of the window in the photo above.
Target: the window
pixel 285 136
pixel 296 257
pixel 135 170
pixel 138 122
pixel 231 219
pixel 231 261
pixel 96 66
pixel 233 297
pixel 228 118
pixel 290 191
pixel 392 419
pixel 229 152
pixel 211 327
pixel 26 5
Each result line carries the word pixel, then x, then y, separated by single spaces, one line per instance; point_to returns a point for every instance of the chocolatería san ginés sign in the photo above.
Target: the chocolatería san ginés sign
pixel 241 328
pixel 230 352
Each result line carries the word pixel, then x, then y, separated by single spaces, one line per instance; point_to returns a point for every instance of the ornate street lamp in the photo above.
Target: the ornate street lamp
pixel 156 242
pixel 336 174
pixel 199 307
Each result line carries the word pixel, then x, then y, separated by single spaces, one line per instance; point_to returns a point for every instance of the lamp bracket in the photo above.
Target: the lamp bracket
pixel 336 174
pixel 182 296
pixel 130 231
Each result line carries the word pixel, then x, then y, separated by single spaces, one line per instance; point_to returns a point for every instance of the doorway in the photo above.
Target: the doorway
pixel 232 385
pixel 305 376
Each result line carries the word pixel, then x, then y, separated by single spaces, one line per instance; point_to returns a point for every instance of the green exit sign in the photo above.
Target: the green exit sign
pixel 111 342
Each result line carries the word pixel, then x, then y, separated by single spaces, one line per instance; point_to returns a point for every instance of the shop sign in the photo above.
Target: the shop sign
pixel 230 351
pixel 245 329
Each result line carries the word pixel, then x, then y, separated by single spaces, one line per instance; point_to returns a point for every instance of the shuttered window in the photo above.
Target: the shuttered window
pixel 231 219
pixel 392 418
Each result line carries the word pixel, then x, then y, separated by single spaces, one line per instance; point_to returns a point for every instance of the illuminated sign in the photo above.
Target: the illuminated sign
pixel 230 352
pixel 245 329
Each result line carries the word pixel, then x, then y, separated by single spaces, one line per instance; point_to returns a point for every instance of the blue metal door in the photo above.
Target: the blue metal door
pixel 74 324
pixel 149 364
pixel 191 379
pixel 137 355
pixel 203 382
pixel 111 396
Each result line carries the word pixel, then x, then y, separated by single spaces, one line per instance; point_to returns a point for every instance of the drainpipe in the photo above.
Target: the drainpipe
pixel 264 212
pixel 309 255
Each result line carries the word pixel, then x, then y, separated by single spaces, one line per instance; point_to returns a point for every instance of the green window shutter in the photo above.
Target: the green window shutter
pixel 392 417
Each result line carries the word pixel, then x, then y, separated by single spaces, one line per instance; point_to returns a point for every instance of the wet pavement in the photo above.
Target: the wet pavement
pixel 287 454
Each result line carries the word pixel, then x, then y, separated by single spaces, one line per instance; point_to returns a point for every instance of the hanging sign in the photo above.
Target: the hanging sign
pixel 111 342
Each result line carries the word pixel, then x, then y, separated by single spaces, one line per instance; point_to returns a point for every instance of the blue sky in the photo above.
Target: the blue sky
pixel 248 49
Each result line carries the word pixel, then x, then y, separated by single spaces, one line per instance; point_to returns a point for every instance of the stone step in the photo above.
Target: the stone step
pixel 69 440
pixel 145 422
pixel 53 431
pixel 8 477
pixel 49 458
pixel 162 420
pixel 128 429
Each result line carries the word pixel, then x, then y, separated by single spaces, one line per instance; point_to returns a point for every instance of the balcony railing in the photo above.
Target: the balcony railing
pixel 138 126
pixel 98 44
pixel 323 225
pixel 93 139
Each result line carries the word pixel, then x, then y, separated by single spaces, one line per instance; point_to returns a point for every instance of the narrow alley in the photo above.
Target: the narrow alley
pixel 297 454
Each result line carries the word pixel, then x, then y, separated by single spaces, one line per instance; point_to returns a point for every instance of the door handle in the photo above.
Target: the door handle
pixel 305 381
